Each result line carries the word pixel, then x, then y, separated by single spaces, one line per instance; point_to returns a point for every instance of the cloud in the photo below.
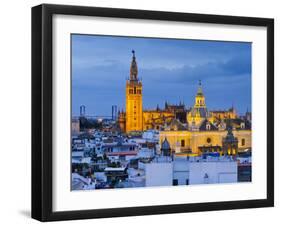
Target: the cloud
pixel 206 72
pixel 169 69
pixel 238 65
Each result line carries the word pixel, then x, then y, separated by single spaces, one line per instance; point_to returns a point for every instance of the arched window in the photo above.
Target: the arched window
pixel 243 142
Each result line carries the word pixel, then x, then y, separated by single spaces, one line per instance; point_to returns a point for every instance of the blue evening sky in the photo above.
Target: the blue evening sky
pixel 169 68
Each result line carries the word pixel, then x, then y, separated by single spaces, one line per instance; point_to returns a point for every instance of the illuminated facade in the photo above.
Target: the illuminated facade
pixel 208 131
pixel 194 131
pixel 197 142
pixel 229 114
pixel 156 119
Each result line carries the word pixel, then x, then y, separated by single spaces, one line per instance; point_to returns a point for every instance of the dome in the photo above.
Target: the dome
pixel 201 112
pixel 230 137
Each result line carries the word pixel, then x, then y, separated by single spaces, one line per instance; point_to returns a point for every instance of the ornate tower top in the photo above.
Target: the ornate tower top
pixel 199 98
pixel 134 68
pixel 199 91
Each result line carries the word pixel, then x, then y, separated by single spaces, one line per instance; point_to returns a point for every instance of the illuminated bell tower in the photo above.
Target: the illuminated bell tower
pixel 134 115
pixel 199 98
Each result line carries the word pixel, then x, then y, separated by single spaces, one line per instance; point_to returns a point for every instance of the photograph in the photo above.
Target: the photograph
pixel 152 111
pixel 144 112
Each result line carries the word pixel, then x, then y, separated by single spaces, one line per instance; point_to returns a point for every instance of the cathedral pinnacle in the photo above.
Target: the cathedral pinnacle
pixel 134 68
pixel 199 92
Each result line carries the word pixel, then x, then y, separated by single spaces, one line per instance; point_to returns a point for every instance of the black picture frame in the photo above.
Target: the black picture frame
pixel 42 111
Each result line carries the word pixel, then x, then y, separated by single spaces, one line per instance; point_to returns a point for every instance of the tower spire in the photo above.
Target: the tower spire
pixel 199 91
pixel 133 68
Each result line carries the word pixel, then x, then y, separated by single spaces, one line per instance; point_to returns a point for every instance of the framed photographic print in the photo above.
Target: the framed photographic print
pixel 145 112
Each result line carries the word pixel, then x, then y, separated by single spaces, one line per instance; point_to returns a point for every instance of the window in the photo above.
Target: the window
pixel 243 142
pixel 208 127
pixel 209 140
pixel 182 143
pixel 135 90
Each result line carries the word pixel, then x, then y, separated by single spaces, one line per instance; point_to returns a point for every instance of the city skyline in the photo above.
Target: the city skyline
pixel 155 140
pixel 101 64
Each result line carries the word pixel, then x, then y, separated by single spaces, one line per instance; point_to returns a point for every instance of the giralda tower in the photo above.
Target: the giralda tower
pixel 134 115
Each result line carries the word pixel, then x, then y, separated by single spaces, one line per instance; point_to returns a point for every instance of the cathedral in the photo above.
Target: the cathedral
pixel 195 130
pixel 209 131
pixel 199 113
